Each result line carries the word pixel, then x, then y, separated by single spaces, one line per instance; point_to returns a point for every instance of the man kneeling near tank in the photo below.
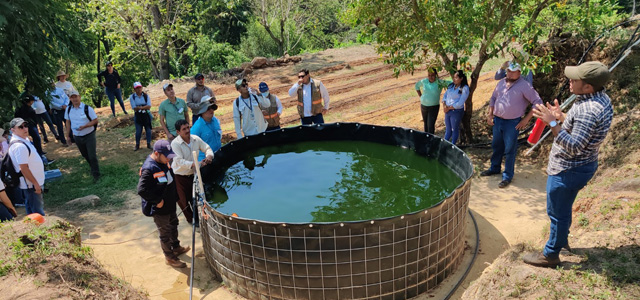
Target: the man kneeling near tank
pixel 159 196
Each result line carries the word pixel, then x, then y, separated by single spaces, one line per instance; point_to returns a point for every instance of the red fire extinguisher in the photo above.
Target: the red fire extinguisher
pixel 536 132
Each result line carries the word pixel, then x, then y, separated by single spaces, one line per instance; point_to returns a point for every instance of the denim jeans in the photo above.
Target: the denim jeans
pixel 58 120
pixel 504 143
pixel 452 120
pixel 35 137
pixel 32 202
pixel 114 93
pixel 147 130
pixel 317 119
pixel 429 117
pixel 562 190
pixel 45 118
pixel 5 215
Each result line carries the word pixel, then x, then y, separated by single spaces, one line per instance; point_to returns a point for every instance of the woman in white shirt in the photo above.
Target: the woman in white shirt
pixel 62 83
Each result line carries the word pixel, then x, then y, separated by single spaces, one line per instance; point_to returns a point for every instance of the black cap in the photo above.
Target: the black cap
pixel 198 76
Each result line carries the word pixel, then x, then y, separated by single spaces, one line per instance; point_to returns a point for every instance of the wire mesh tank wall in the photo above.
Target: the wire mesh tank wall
pixel 392 258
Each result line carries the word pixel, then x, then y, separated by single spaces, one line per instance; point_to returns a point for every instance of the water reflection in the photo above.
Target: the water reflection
pixel 331 181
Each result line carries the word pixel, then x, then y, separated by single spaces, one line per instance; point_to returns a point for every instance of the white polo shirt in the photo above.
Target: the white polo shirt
pixel 77 117
pixel 20 155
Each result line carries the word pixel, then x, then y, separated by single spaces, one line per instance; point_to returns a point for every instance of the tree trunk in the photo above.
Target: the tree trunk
pixel 97 101
pixel 163 52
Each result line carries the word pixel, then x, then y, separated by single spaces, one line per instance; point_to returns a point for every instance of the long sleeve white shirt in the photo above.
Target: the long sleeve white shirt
pixel 182 163
pixel 306 96
pixel 247 115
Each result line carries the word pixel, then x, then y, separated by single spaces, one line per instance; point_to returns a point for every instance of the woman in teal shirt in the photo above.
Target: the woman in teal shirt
pixel 429 90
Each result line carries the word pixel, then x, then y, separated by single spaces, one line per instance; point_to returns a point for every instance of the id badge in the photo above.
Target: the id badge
pixel 180 110
pixel 162 179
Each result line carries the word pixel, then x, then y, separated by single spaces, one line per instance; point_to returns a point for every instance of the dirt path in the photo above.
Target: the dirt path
pixel 362 89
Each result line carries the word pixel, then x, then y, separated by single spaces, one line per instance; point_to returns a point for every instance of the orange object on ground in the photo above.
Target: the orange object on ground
pixel 36 217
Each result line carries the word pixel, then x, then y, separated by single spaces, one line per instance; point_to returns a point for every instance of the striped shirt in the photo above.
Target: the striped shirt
pixel 584 129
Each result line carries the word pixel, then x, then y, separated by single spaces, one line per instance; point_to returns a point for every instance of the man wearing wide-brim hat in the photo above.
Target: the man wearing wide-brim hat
pixel 62 82
pixel 574 154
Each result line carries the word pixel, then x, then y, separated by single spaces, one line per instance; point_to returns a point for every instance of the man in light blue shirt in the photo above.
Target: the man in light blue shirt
pixel 207 127
pixel 82 120
pixel 59 103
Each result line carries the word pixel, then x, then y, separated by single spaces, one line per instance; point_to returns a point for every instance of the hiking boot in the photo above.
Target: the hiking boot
pixel 176 263
pixel 539 260
pixel 504 183
pixel 149 146
pixel 181 250
pixel 65 145
pixel 488 173
pixel 136 148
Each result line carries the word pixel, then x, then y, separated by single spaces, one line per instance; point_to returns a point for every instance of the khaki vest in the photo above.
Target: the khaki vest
pixel 316 99
pixel 272 117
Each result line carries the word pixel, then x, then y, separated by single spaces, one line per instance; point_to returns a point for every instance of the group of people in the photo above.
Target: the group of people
pixel 578 134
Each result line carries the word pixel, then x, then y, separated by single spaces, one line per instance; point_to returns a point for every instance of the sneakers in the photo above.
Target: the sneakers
pixel 488 173
pixel 181 250
pixel 504 184
pixel 176 263
pixel 539 260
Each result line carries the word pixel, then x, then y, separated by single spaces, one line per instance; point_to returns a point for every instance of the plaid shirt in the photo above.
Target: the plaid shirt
pixel 584 129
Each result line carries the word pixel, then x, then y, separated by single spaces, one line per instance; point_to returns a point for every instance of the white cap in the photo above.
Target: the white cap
pixel 513 66
pixel 137 84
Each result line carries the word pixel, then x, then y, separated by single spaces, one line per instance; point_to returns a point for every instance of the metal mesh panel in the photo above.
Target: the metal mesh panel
pixel 393 258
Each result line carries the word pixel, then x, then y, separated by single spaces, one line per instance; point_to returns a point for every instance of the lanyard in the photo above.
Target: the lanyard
pixel 245 103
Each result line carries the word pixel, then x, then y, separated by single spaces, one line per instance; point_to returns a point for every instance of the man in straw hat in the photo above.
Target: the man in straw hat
pixel 574 154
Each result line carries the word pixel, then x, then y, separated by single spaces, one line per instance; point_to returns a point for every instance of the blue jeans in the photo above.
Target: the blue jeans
pixel 114 93
pixel 452 120
pixel 317 119
pixel 58 120
pixel 5 215
pixel 32 201
pixel 562 190
pixel 45 118
pixel 147 130
pixel 504 143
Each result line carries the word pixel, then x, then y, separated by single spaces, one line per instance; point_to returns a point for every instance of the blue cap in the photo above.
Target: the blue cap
pixel 164 147
pixel 263 87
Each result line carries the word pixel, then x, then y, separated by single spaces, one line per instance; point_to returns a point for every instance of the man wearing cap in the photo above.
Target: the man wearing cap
pixel 502 73
pixel 62 83
pixel 26 160
pixel 310 93
pixel 171 110
pixel 59 103
pixel 83 121
pixel 207 127
pixel 157 190
pixel 507 105
pixel 183 164
pixel 195 94
pixel 247 111
pixel 574 154
pixel 111 86
pixel 274 110
pixel 141 105
pixel 28 114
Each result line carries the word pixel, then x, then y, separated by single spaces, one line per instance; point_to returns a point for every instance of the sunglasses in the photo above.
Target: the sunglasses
pixel 23 126
pixel 301 76
pixel 244 85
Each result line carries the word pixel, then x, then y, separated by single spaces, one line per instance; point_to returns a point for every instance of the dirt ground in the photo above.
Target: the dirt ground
pixel 362 89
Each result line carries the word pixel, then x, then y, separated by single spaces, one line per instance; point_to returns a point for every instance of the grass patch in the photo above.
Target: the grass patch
pixel 77 182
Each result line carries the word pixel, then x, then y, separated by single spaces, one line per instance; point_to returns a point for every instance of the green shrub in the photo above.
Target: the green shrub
pixel 207 56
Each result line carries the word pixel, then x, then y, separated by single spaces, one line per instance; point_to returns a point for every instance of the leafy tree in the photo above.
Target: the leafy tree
pixel 152 29
pixel 225 20
pixel 34 35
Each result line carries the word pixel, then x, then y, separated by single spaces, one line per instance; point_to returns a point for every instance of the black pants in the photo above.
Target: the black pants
pixel 429 117
pixel 57 116
pixel 33 132
pixel 168 231
pixel 45 118
pixel 317 119
pixel 87 146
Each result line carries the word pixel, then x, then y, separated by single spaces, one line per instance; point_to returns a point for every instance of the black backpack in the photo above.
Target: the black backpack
pixel 86 113
pixel 8 173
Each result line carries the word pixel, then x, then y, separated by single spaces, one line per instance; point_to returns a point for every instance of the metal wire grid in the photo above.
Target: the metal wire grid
pixel 396 258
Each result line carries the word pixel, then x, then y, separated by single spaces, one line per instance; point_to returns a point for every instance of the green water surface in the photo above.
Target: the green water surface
pixel 331 181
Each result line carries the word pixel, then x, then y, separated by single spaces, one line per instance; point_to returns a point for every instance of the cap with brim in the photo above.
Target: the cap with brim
pixel 137 84
pixel 166 86
pixel 16 122
pixel 74 92
pixel 60 73
pixel 513 67
pixel 108 63
pixel 164 147
pixel 198 76
pixel 205 103
pixel 263 87
pixel 594 73
pixel 239 82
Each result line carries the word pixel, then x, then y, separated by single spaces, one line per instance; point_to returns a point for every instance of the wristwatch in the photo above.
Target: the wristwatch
pixel 553 124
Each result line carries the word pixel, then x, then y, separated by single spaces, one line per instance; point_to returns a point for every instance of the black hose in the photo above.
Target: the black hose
pixel 473 259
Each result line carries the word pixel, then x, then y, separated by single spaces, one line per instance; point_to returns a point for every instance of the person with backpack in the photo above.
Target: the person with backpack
pixel 23 168
pixel 247 111
pixel 141 105
pixel 274 110
pixel 83 121
pixel 7 210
